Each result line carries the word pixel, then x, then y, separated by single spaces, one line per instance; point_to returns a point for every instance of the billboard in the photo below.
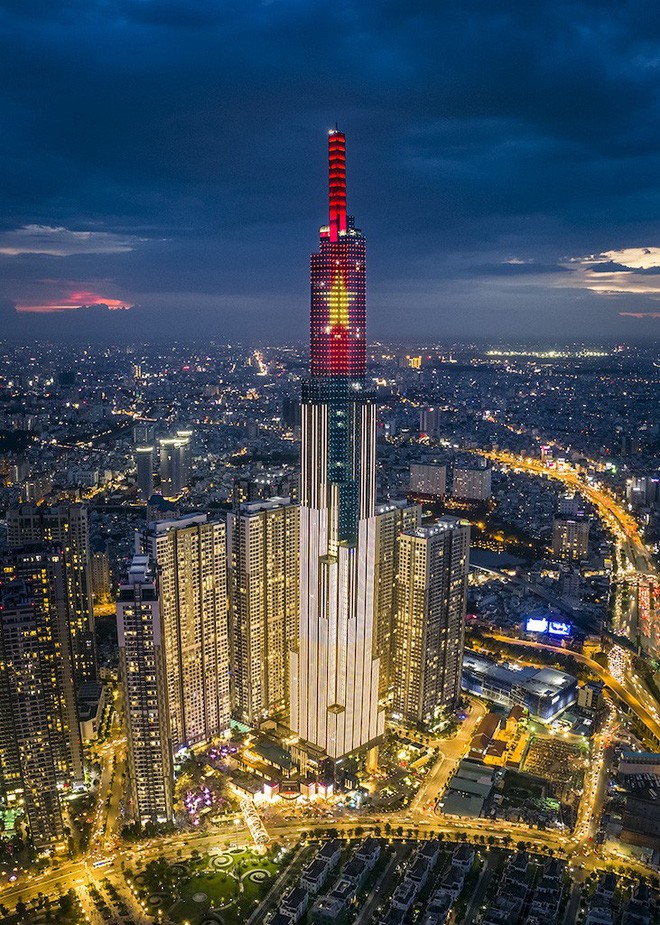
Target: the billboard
pixel 536 625
pixel 556 628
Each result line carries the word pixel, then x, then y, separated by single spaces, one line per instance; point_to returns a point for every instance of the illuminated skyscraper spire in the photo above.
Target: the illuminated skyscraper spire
pixel 338 278
pixel 334 665
pixel 337 164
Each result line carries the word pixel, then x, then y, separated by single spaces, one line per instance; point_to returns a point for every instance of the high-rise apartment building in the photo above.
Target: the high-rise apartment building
pixel 35 488
pixel 643 490
pixel 260 486
pixel 570 538
pixel 175 463
pixel 570 505
pixel 101 578
pixel 570 582
pixel 143 675
pixel 190 556
pixel 472 482
pixel 392 519
pixel 263 564
pixel 144 463
pixel 430 422
pixel 428 480
pixel 66 526
pixel 291 412
pixel 429 628
pixel 40 745
pixel 335 665
pixel 144 433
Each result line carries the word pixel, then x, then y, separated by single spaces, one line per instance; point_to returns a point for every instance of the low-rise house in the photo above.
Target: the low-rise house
pixel 430 850
pixel 404 895
pixel 599 914
pixel 452 882
pixel 368 851
pixel 438 909
pixel 294 903
pixel 463 858
pixel 330 852
pixel 327 909
pixel 418 872
pixel 639 909
pixel 606 886
pixel 314 876
pixel 357 870
pixel 279 918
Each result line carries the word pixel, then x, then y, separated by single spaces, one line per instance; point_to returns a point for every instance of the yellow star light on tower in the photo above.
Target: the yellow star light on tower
pixel 338 301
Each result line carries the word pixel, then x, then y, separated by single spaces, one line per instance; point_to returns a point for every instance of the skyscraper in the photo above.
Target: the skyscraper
pixel 430 619
pixel 175 463
pixel 144 462
pixel 570 538
pixel 144 433
pixel 472 482
pixel 262 485
pixel 142 667
pixel 393 518
pixel 65 526
pixel 101 577
pixel 430 422
pixel 40 746
pixel 190 555
pixel 335 665
pixel 263 557
pixel 428 480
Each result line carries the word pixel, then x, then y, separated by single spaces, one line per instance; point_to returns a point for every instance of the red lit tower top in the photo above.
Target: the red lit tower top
pixel 337 175
pixel 338 278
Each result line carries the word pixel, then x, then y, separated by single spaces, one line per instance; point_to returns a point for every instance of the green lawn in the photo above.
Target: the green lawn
pixel 233 889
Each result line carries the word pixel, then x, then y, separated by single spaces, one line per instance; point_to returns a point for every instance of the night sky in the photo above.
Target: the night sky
pixel 169 155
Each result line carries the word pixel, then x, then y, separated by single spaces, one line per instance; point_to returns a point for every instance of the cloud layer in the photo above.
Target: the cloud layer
pixel 169 154
pixel 62 242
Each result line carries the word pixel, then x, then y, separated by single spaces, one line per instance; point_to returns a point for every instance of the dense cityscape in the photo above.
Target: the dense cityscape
pixel 342 632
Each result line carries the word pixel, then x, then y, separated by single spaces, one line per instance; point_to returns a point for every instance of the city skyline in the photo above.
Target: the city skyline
pixel 516 195
pixel 312 614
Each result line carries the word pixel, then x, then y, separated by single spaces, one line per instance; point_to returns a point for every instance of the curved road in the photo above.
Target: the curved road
pixel 608 507
pixel 629 698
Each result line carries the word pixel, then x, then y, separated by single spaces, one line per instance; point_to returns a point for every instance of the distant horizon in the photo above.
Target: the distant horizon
pixel 433 342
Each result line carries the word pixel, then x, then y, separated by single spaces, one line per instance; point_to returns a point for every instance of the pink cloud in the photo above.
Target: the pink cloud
pixel 640 314
pixel 73 300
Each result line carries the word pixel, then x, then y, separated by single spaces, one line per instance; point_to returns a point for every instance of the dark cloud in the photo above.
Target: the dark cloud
pixel 479 133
